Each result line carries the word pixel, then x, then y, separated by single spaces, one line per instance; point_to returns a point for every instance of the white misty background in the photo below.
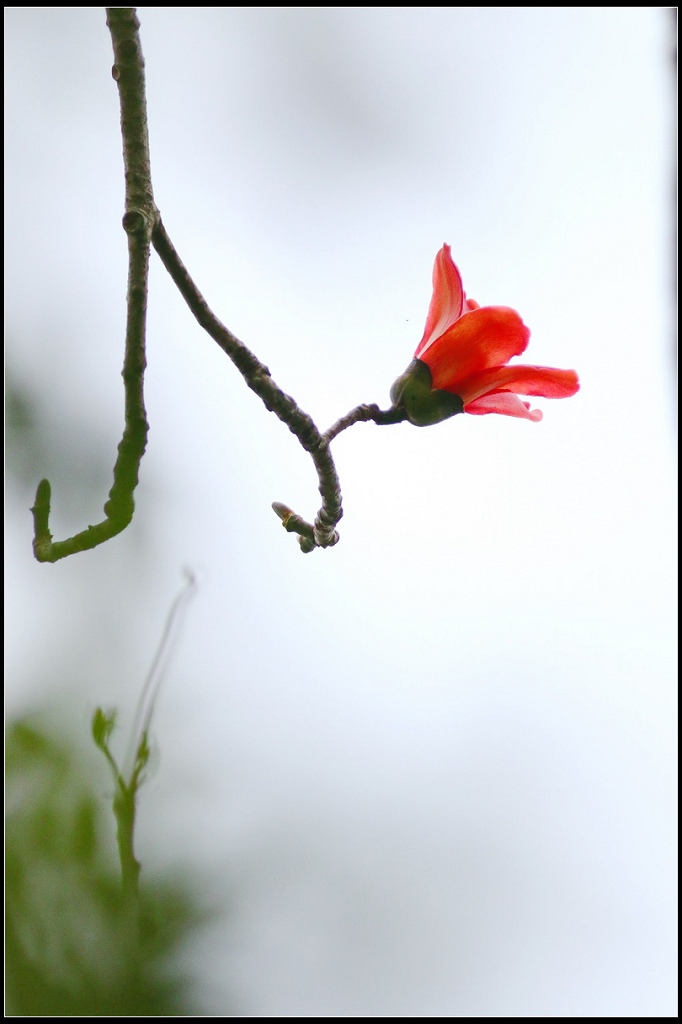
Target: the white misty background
pixel 428 772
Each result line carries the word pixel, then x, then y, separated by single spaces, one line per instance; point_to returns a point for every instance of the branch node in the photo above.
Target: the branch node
pixel 135 222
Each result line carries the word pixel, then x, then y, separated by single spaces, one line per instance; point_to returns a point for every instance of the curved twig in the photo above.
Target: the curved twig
pixel 128 71
pixel 322 532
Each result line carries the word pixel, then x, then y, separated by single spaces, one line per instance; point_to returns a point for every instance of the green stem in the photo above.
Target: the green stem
pixel 124 810
pixel 139 219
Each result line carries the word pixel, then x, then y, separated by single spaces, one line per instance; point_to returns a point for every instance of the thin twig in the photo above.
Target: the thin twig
pixel 322 532
pixel 152 684
pixel 363 414
pixel 128 71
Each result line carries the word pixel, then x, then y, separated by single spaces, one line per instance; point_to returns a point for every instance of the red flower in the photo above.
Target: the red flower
pixel 460 364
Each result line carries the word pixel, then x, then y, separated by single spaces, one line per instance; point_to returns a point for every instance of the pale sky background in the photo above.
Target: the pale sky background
pixel 430 771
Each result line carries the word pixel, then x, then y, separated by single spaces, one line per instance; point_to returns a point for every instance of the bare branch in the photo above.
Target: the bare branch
pixel 143 225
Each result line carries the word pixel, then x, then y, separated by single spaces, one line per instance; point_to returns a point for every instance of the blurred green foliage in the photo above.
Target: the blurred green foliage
pixel 68 947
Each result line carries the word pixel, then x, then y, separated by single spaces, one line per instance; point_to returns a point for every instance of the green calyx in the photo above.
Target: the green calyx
pixel 422 403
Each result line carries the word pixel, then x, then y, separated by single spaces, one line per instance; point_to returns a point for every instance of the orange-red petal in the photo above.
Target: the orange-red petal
pixel 483 338
pixel 447 301
pixel 522 380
